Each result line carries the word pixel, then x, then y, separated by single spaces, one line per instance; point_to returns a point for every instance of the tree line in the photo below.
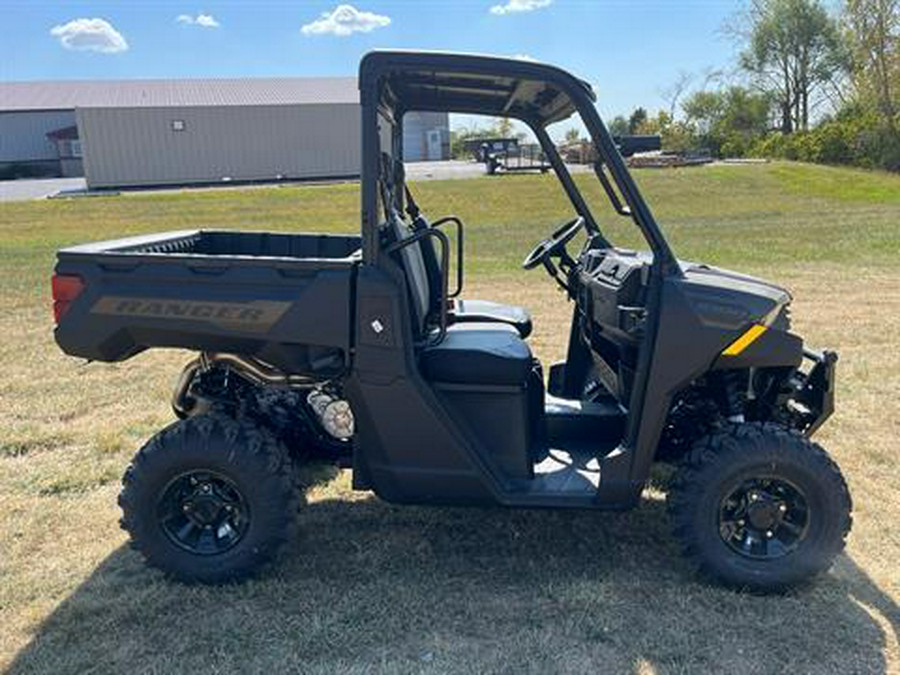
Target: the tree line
pixel 808 84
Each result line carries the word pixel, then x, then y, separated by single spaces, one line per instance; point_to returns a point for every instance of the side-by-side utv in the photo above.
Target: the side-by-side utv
pixel 365 351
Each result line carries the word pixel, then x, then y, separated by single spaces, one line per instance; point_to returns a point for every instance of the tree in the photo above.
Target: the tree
pixel 727 122
pixel 704 109
pixel 652 126
pixel 873 34
pixel 794 52
pixel 746 112
pixel 504 127
pixel 619 126
pixel 572 136
pixel 677 136
pixel 638 117
pixel 674 136
pixel 673 93
pixel 459 138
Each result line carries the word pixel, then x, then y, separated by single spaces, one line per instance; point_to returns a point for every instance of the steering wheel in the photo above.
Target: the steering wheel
pixel 553 245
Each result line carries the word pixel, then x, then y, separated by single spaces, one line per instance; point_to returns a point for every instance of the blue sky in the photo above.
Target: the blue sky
pixel 629 50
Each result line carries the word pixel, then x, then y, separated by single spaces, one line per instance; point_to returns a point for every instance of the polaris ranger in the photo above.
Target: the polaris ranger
pixel 363 350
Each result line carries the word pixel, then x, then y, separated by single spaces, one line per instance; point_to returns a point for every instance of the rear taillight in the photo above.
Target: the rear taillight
pixel 66 287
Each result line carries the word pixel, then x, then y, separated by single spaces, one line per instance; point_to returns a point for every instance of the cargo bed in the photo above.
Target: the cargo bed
pixel 283 298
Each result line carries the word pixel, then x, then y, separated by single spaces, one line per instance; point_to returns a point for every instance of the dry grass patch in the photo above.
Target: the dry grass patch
pixel 369 586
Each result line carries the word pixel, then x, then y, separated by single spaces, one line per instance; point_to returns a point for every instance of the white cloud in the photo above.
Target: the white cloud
pixel 207 21
pixel 344 20
pixel 94 35
pixel 204 20
pixel 517 6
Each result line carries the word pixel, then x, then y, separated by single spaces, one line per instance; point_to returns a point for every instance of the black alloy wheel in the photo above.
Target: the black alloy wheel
pixel 203 512
pixel 210 499
pixel 759 506
pixel 764 518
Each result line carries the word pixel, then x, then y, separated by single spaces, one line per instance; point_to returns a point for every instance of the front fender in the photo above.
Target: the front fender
pixel 771 348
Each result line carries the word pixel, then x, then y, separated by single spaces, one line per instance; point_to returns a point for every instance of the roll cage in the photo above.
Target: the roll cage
pixel 395 82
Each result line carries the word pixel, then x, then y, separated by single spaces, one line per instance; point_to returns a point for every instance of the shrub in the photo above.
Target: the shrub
pixel 859 140
pixel 881 147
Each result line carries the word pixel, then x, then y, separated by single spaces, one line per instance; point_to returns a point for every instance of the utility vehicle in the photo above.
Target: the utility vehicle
pixel 363 350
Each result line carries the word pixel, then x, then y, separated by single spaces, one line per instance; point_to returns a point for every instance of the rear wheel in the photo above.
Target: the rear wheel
pixel 209 499
pixel 759 506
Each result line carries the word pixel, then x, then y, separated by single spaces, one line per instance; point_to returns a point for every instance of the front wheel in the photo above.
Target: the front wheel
pixel 759 506
pixel 209 499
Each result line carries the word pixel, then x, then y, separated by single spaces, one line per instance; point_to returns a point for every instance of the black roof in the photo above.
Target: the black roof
pixel 487 85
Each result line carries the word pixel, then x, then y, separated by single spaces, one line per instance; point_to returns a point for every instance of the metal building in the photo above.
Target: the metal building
pixel 26 148
pixel 426 136
pixel 171 132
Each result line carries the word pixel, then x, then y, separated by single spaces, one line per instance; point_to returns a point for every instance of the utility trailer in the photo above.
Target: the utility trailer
pixel 480 148
pixel 363 351
pixel 630 145
pixel 521 157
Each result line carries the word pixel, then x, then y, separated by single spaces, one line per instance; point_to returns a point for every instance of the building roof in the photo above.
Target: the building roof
pixel 70 94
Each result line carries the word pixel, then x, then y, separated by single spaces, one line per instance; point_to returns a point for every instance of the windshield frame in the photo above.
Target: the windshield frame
pixel 377 98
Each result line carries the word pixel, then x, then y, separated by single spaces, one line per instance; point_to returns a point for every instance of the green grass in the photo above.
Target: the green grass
pixel 370 587
pixel 751 217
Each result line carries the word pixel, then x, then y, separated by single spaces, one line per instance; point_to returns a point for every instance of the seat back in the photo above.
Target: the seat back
pixel 417 278
pixel 432 264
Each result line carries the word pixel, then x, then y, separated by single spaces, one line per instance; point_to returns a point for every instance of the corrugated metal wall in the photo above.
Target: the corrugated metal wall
pixel 415 134
pixel 138 146
pixel 23 135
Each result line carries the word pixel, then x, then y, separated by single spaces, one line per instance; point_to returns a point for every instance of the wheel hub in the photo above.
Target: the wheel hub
pixel 204 510
pixel 764 518
pixel 203 513
pixel 764 513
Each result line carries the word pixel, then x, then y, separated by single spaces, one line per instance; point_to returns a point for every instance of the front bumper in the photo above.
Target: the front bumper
pixel 811 398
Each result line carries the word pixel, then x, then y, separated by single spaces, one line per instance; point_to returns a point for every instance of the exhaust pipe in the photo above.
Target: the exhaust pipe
pixel 253 370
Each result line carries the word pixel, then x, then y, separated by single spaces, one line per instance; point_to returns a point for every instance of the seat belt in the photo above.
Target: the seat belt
pixel 412 209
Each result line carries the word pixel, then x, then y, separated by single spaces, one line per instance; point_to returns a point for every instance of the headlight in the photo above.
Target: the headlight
pixel 779 318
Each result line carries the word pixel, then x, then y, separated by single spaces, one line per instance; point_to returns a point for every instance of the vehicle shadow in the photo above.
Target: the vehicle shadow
pixel 371 587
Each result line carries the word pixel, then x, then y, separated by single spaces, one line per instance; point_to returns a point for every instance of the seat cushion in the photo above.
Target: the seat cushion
pixel 485 311
pixel 478 353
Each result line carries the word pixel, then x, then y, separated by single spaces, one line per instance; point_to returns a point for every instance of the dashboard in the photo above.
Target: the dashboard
pixel 611 294
pixel 612 289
